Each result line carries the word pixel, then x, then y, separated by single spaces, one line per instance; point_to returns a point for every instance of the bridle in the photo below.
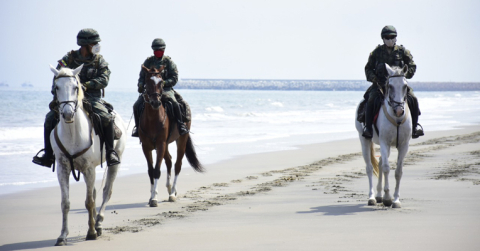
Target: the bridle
pixel 156 95
pixel 68 102
pixel 392 103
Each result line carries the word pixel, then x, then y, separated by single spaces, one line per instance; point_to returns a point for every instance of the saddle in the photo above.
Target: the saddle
pixel 97 121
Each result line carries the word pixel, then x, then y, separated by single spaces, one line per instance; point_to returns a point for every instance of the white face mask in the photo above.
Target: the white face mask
pixel 390 42
pixel 96 49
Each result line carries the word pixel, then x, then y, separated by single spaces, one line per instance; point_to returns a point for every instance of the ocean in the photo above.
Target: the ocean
pixel 225 124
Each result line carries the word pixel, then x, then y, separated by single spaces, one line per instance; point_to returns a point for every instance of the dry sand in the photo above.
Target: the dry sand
pixel 313 198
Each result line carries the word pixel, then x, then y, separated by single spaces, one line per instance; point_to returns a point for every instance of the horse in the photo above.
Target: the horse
pixel 155 133
pixel 76 147
pixel 394 125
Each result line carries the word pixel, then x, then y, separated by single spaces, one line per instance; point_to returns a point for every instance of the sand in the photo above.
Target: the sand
pixel 312 198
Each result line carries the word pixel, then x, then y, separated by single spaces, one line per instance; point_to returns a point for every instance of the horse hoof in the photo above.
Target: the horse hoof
pixel 379 199
pixel 372 202
pixel 91 237
pixel 61 242
pixel 387 203
pixel 99 231
pixel 172 198
pixel 153 203
pixel 397 205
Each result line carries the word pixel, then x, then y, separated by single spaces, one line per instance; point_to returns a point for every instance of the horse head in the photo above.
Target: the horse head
pixel 153 86
pixel 68 91
pixel 396 89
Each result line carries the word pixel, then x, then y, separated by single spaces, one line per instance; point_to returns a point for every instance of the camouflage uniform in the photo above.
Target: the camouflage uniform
pixel 94 76
pixel 170 78
pixel 375 72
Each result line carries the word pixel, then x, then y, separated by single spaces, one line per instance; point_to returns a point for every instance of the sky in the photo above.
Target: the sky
pixel 248 39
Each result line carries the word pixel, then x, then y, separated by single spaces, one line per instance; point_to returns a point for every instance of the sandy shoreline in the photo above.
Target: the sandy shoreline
pixel 311 198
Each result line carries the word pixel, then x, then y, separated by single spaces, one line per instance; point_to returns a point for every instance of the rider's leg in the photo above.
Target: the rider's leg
pixel 136 114
pixel 369 111
pixel 108 131
pixel 182 128
pixel 48 157
pixel 417 129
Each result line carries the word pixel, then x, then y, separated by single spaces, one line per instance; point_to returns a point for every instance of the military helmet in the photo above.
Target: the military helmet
pixel 388 30
pixel 88 36
pixel 158 44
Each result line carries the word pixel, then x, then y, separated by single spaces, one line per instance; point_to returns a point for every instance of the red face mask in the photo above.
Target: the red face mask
pixel 158 53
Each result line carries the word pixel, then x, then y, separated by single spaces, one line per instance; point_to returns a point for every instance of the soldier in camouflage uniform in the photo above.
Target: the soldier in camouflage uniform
pixel 393 55
pixel 94 77
pixel 170 78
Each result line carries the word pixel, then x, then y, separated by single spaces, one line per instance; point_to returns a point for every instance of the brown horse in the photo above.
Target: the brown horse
pixel 154 131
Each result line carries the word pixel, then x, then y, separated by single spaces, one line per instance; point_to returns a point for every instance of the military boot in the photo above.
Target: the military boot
pixel 112 156
pixel 48 158
pixel 368 130
pixel 136 118
pixel 182 128
pixel 417 129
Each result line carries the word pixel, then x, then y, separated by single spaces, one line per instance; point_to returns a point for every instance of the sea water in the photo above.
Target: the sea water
pixel 225 124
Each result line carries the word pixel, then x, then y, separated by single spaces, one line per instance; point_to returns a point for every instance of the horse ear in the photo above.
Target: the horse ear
pixel 55 71
pixel 390 71
pixel 77 70
pixel 405 69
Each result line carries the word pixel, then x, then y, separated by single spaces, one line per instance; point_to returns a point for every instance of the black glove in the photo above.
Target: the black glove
pixel 140 88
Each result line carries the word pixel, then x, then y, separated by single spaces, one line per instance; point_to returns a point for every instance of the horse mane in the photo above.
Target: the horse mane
pixel 67 72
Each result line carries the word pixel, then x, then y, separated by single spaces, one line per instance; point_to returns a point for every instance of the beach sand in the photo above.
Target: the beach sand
pixel 311 198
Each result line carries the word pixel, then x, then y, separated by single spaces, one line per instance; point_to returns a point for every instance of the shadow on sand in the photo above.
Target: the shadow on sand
pixel 337 210
pixel 39 244
pixel 112 207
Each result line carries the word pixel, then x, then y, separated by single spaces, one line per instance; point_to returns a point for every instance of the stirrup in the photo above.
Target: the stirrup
pixel 111 162
pixel 182 129
pixel 43 161
pixel 366 133
pixel 135 132
pixel 417 133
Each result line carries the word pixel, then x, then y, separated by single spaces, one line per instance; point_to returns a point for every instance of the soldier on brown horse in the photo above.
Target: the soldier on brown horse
pixel 157 130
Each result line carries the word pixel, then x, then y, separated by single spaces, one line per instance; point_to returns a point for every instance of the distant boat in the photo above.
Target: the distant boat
pixel 27 85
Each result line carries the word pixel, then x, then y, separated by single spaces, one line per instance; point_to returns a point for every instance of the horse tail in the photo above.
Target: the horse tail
pixel 374 160
pixel 192 156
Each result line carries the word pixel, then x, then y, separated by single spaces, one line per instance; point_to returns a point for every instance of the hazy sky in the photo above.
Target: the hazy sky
pixel 241 39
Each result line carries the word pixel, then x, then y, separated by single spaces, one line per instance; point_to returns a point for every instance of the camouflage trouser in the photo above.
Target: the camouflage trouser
pixel 51 119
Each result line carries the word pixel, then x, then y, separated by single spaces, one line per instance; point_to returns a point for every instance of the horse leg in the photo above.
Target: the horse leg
pixel 402 152
pixel 379 197
pixel 366 151
pixel 168 163
pixel 161 146
pixel 89 176
pixel 385 150
pixel 153 193
pixel 107 194
pixel 63 174
pixel 181 146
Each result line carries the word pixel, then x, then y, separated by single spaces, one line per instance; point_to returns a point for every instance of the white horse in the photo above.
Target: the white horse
pixel 74 142
pixel 394 129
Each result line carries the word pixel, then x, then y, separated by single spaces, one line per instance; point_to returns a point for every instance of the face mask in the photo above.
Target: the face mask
pixel 158 53
pixel 96 49
pixel 390 42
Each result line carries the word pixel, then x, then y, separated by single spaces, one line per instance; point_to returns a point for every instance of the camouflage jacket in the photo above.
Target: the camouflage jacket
pixel 169 73
pixel 398 57
pixel 94 75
